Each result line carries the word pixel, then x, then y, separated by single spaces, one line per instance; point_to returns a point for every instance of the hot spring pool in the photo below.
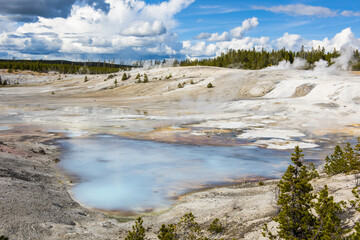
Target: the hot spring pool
pixel 123 174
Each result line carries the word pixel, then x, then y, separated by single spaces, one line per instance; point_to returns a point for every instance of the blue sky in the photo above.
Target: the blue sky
pixel 155 29
pixel 219 16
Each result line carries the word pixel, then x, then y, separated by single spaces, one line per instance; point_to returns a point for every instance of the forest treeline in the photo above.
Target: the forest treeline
pixel 65 67
pixel 251 59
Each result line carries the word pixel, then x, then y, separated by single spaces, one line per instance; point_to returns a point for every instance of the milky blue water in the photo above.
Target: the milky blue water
pixel 123 174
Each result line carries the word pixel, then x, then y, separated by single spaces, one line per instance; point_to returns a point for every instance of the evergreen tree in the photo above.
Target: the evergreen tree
pixel 328 222
pixel 138 231
pixel 168 232
pixel 345 160
pixel 295 200
pixel 336 163
pixel 137 76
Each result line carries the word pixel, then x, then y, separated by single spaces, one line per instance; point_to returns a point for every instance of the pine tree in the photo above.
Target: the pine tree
pixel 138 231
pixel 328 222
pixel 168 232
pixel 336 163
pixel 137 76
pixel 295 218
pixel 346 160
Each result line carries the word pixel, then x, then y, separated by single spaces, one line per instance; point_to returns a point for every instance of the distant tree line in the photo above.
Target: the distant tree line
pixel 65 67
pixel 252 59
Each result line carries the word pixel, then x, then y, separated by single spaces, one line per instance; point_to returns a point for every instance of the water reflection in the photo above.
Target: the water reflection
pixel 118 173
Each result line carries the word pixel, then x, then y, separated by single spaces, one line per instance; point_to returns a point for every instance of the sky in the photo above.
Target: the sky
pixel 126 30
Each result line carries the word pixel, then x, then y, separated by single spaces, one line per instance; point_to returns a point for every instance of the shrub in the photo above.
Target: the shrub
pixel 138 231
pixel 180 85
pixel 3 238
pixel 125 77
pixel 137 76
pixel 216 226
pixel 186 229
pixel 261 183
pixel 189 229
pixel 168 232
pixel 210 85
pixel 115 82
pixel 86 79
pixel 146 79
pixel 110 77
pixel 192 82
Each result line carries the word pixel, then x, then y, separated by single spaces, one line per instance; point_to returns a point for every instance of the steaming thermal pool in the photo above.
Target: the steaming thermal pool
pixel 122 174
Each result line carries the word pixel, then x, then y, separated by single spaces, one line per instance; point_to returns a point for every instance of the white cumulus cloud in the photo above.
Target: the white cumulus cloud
pixel 143 29
pixel 246 25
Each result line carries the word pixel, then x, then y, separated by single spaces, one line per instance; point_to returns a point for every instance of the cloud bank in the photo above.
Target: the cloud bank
pixel 93 27
pixel 133 29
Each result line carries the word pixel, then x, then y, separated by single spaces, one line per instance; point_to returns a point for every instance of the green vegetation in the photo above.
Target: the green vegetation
pixel 168 77
pixel 110 77
pixel 210 85
pixel 295 218
pixel 251 59
pixel 138 232
pixel 186 229
pixel 346 160
pixel 146 79
pixel 304 214
pixel 138 76
pixel 125 77
pixel 216 226
pixel 86 79
pixel 180 85
pixel 65 67
pixel 3 238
